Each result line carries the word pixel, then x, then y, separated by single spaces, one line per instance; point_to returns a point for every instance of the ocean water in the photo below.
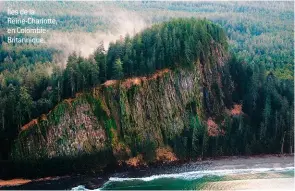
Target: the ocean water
pixel 193 180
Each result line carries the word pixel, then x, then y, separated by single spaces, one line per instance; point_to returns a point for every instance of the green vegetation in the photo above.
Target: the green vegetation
pixel 267 104
pixel 163 46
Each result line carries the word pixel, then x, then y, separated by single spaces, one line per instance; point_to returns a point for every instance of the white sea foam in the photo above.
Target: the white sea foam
pixel 80 187
pixel 199 174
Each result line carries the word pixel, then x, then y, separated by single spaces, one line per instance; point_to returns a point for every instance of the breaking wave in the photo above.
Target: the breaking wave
pixel 199 174
pixel 193 175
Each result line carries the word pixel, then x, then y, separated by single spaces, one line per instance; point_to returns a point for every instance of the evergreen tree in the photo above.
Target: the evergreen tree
pixel 118 70
pixel 100 58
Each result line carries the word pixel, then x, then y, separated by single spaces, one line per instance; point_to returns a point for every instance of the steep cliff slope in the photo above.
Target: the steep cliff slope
pixel 132 117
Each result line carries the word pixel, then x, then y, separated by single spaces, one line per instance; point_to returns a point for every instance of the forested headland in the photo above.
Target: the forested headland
pixel 244 105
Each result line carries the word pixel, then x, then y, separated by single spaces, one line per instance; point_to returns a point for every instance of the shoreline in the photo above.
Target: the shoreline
pixel 143 170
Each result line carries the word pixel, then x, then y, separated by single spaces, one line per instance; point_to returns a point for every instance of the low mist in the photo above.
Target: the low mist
pixel 85 43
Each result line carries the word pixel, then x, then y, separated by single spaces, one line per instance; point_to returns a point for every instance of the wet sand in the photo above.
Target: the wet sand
pixel 252 184
pixel 264 161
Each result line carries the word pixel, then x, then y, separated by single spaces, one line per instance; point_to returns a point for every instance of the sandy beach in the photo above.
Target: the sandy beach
pixel 252 184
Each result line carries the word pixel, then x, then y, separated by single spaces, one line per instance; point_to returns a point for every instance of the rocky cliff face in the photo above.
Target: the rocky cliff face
pixel 130 117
